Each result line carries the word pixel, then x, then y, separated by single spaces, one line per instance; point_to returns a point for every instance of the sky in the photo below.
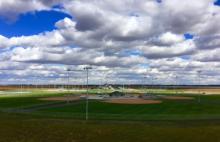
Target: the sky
pixel 126 41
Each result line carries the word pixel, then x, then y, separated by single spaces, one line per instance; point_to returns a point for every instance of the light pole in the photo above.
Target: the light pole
pixel 21 88
pixel 153 84
pixel 87 91
pixel 144 84
pixel 148 81
pixel 176 83
pixel 199 97
pixel 68 83
pixel 123 86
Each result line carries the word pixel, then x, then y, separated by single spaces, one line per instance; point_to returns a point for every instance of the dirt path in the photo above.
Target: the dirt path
pixel 177 98
pixel 132 101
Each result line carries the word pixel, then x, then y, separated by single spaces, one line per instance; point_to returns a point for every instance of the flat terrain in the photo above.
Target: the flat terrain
pixel 69 105
pixel 206 91
pixel 178 98
pixel 132 101
pixel 61 98
pixel 16 128
pixel 47 116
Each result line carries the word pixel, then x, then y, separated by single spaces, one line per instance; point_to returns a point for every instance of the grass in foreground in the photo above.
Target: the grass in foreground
pixel 55 124
pixel 17 128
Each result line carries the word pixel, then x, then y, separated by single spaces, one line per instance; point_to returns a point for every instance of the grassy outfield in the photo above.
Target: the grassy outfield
pixel 23 119
pixel 209 108
pixel 25 100
pixel 21 128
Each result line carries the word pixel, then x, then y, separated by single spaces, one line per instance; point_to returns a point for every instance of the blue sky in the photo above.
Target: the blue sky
pixel 31 23
pixel 188 36
pixel 217 2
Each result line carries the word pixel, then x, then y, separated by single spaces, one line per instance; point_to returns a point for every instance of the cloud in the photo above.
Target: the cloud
pixel 45 39
pixel 182 18
pixel 66 23
pixel 169 38
pixel 71 56
pixel 208 42
pixel 119 34
pixel 208 56
pixel 175 50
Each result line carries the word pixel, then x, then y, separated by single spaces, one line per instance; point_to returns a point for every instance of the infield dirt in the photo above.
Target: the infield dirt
pixel 133 101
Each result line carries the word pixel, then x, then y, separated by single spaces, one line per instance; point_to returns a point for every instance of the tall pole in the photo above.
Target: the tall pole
pixel 21 89
pixel 151 90
pixel 68 79
pixel 147 80
pixel 176 84
pixel 199 97
pixel 87 91
pixel 154 84
pixel 144 84
pixel 123 90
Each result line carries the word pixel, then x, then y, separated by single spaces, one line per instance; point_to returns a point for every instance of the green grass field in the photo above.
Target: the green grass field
pixel 208 108
pixel 25 118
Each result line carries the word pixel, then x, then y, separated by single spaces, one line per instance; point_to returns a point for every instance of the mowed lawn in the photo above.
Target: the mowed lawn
pixel 21 128
pixel 167 110
pixel 208 108
pixel 170 121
